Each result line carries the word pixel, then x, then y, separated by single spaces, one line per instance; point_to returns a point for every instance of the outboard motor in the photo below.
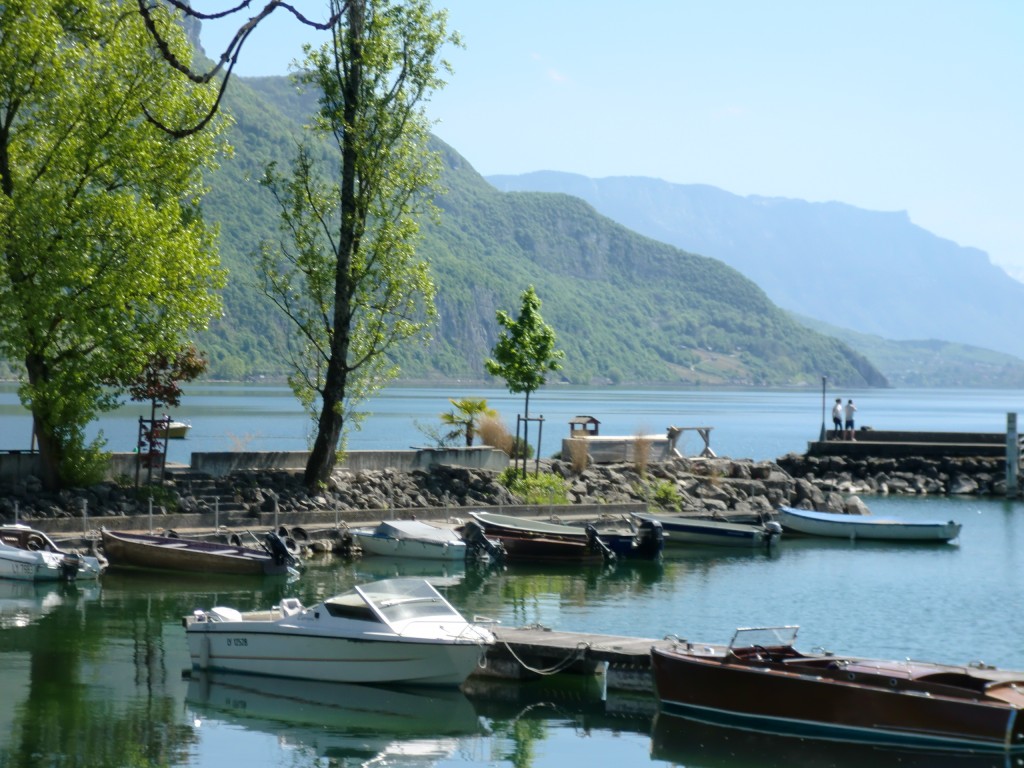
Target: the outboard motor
pixel 70 565
pixel 478 546
pixel 651 537
pixel 596 544
pixel 277 548
pixel 774 531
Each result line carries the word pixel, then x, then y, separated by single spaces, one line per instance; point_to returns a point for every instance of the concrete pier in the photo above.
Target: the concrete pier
pixel 526 653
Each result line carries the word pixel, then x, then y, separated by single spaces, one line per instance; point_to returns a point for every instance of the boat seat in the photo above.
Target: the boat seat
pixel 290 606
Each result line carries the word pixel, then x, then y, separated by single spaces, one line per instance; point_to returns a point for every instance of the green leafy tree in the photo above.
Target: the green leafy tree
pixel 466 416
pixel 346 272
pixel 525 351
pixel 104 260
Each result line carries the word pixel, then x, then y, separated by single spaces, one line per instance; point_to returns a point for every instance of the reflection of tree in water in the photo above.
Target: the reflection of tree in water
pixel 74 712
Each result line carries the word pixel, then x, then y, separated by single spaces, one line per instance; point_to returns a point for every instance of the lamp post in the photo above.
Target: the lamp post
pixel 822 437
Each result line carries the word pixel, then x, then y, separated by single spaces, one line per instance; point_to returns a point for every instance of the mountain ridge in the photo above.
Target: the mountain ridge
pixel 873 272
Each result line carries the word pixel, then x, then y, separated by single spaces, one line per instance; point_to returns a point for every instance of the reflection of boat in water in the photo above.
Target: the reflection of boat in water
pixel 435 571
pixel 23 602
pixel 683 741
pixel 357 723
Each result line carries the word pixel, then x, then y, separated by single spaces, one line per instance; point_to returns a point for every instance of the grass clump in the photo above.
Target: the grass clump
pixel 542 488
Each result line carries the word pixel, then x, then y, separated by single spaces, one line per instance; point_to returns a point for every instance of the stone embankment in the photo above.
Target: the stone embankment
pixel 915 475
pixel 732 488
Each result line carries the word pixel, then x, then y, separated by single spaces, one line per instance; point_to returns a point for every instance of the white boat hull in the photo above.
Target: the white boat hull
pixel 388 546
pixel 394 631
pixel 39 565
pixel 840 526
pixel 332 659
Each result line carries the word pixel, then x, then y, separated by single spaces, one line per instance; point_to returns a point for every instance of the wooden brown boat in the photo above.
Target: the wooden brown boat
pixel 171 553
pixel 536 541
pixel 762 683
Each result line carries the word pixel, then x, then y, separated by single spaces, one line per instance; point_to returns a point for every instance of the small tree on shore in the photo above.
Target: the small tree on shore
pixel 525 351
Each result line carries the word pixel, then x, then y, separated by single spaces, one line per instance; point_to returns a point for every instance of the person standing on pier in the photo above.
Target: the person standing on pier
pixel 837 419
pixel 850 410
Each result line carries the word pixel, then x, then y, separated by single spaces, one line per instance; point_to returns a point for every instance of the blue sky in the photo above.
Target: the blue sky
pixel 913 105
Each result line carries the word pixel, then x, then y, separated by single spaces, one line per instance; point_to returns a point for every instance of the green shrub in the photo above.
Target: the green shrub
pixel 84 465
pixel 666 495
pixel 535 489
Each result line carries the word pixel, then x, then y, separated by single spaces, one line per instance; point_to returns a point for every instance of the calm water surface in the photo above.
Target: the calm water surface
pixel 92 675
pixel 758 424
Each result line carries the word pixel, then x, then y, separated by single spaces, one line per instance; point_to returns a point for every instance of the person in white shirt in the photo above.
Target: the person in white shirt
pixel 837 419
pixel 850 410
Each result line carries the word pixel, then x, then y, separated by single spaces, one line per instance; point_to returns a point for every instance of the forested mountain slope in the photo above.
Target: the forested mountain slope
pixel 626 308
pixel 872 272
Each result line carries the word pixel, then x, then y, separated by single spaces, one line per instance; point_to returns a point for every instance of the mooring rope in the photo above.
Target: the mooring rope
pixel 577 653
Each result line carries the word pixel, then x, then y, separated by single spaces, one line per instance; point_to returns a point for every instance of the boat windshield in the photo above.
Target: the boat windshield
pixel 403 599
pixel 765 637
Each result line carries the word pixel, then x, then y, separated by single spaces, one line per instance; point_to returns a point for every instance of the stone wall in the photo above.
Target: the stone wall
pixel 738 489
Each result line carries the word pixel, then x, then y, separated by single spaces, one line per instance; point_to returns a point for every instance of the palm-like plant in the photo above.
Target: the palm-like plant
pixel 466 415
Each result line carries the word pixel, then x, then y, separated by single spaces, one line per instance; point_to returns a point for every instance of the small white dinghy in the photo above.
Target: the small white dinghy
pixel 837 525
pixel 395 631
pixel 411 538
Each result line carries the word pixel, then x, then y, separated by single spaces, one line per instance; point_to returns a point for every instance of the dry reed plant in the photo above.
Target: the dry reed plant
pixel 579 454
pixel 493 432
pixel 641 454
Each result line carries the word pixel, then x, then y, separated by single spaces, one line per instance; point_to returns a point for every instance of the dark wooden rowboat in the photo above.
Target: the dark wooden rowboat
pixel 765 684
pixel 170 553
pixel 525 539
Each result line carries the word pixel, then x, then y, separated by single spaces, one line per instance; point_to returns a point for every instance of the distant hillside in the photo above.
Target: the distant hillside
pixel 626 308
pixel 930 363
pixel 875 273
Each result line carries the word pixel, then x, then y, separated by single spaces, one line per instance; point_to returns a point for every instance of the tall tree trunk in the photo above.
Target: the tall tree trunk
pixel 50 452
pixel 526 428
pixel 324 455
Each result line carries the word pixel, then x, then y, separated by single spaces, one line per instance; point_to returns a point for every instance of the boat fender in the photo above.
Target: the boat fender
pixel 292 545
pixel 282 532
pixel 300 534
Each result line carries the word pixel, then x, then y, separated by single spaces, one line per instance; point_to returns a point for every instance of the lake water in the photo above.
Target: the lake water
pixel 92 675
pixel 758 424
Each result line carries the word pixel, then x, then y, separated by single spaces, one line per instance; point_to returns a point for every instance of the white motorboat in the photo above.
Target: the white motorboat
pixel 395 631
pixel 843 526
pixel 30 555
pixel 411 538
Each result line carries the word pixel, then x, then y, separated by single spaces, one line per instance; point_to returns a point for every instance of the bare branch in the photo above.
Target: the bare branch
pixel 228 58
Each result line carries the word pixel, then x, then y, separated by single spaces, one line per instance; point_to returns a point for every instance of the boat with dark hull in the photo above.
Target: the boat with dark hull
pixel 760 682
pixel 530 540
pixel 171 553
pixel 689 530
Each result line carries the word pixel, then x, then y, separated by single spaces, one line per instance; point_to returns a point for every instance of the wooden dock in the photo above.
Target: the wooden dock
pixel 526 653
